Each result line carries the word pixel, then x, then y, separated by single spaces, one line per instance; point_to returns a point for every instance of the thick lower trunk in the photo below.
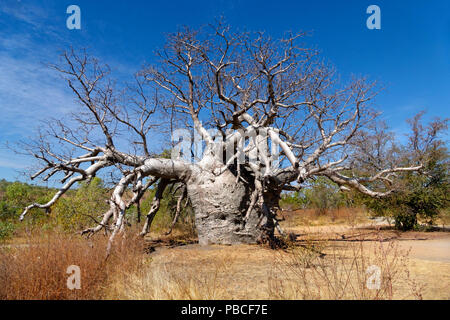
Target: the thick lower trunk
pixel 222 216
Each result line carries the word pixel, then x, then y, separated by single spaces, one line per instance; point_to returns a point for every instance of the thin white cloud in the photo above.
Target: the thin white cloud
pixel 29 91
pixel 12 163
pixel 24 11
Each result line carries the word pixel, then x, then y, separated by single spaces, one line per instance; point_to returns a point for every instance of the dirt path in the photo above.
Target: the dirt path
pixel 432 250
pixel 431 246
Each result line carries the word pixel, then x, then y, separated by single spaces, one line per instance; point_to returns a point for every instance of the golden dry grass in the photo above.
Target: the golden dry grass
pixel 313 217
pixel 36 267
pixel 253 272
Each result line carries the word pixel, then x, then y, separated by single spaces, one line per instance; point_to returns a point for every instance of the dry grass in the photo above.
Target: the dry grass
pixel 37 268
pixel 319 270
pixel 313 217
pixel 173 279
pixel 253 272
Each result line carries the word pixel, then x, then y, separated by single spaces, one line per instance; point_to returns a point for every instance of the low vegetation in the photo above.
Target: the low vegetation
pixel 80 208
pixel 313 267
pixel 36 268
pixel 320 271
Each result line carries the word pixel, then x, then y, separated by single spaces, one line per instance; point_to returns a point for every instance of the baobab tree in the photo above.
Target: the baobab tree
pixel 270 116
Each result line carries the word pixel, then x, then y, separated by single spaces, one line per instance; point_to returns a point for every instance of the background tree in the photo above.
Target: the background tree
pixel 418 194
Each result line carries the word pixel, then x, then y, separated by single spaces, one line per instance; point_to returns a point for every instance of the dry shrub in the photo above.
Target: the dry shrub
pixel 37 268
pixel 320 270
pixel 314 217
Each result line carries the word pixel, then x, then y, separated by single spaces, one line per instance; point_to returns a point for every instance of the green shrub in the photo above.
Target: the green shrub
pixel 293 200
pixel 78 210
pixel 405 219
pixel 6 230
pixel 321 195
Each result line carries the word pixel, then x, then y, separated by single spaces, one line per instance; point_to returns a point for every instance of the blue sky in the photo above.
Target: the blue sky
pixel 410 55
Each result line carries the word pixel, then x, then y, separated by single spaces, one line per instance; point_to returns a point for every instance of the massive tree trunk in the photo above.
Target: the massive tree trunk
pixel 229 211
